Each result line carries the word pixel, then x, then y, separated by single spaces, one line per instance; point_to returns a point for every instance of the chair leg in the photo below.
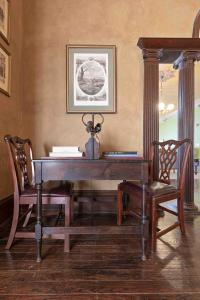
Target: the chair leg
pixel 71 209
pixel 154 220
pixel 181 217
pixel 60 213
pixel 67 223
pixel 119 207
pixel 125 204
pixel 14 224
pixel 30 207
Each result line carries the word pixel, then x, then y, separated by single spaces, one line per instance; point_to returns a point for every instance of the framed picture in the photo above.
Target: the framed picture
pixel 91 79
pixel 4 20
pixel 5 66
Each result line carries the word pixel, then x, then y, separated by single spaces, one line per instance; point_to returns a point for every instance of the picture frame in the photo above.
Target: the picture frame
pixel 5 71
pixel 5 20
pixel 91 79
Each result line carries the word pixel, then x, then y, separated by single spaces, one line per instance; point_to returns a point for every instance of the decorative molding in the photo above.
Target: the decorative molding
pixel 186 56
pixel 191 208
pixel 152 54
pixel 196 26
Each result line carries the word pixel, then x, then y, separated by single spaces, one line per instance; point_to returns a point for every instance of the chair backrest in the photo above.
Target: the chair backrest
pixel 164 156
pixel 20 158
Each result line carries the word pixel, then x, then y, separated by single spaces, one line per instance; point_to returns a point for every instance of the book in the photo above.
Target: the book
pixel 123 157
pixel 65 149
pixel 65 154
pixel 120 154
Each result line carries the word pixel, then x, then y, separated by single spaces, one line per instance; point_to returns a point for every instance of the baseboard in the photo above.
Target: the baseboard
pixel 6 211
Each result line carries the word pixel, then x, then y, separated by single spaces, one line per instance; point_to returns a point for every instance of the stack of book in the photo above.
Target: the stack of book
pixel 65 151
pixel 120 154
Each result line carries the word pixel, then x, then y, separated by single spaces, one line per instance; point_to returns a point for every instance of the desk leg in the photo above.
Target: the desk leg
pixel 145 225
pixel 38 226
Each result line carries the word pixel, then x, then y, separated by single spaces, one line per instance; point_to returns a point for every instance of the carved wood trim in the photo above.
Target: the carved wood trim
pixel 185 58
pixel 196 26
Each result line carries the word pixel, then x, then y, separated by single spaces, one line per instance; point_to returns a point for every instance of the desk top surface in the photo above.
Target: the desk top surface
pixel 91 169
pixel 84 159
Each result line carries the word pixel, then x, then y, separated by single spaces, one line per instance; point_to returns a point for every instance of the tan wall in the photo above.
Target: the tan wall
pixel 10 107
pixel 49 25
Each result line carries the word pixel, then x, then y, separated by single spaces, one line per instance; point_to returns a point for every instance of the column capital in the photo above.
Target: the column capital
pixel 152 55
pixel 185 57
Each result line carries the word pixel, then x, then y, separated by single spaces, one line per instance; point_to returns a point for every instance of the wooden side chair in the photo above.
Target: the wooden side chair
pixel 159 191
pixel 22 169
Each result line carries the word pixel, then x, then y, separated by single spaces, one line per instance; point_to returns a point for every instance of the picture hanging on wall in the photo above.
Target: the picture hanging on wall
pixel 5 69
pixel 4 20
pixel 91 79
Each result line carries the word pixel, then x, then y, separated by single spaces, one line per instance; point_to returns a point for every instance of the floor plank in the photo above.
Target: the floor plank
pixel 104 268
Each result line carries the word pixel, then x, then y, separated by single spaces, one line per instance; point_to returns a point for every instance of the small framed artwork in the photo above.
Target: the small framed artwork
pixel 5 69
pixel 4 20
pixel 91 79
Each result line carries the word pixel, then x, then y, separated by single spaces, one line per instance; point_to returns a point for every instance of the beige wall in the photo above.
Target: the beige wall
pixel 10 107
pixel 51 24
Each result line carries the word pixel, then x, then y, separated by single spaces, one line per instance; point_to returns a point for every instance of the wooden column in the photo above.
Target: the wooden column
pixel 151 98
pixel 185 64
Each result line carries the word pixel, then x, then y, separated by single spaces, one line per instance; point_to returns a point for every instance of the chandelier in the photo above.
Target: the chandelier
pixel 165 75
pixel 165 108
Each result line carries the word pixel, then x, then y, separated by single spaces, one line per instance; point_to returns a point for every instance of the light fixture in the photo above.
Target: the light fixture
pixel 163 108
pixel 165 75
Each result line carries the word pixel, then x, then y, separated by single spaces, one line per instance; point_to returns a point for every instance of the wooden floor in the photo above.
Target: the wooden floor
pixel 104 267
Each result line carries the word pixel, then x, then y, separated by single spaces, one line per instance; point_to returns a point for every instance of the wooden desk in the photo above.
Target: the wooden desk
pixel 84 169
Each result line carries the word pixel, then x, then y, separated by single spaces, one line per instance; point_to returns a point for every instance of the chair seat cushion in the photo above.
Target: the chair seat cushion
pixel 161 188
pixel 156 188
pixel 50 188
